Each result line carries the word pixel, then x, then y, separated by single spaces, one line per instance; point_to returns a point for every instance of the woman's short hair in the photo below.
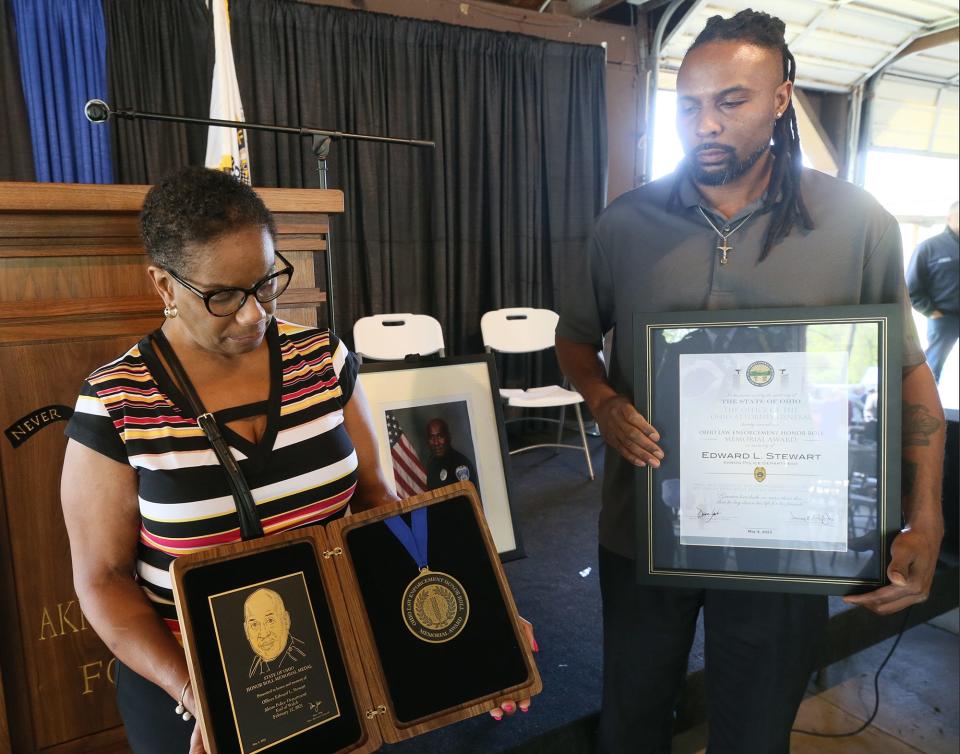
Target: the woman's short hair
pixel 196 205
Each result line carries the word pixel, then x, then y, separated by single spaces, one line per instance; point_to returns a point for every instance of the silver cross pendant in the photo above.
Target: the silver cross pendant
pixel 723 249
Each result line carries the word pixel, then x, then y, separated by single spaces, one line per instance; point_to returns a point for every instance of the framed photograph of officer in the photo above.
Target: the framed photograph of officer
pixel 776 426
pixel 440 422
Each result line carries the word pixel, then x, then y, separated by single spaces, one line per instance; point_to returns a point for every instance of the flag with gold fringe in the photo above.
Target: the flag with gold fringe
pixel 226 147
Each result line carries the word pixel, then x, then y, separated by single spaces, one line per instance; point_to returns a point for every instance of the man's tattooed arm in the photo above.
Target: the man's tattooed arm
pixel 919 424
pixel 908 477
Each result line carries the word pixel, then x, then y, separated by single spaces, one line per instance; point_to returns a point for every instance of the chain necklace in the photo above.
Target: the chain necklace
pixel 722 247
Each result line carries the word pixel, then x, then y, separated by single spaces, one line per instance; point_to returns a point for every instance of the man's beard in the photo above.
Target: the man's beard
pixel 729 170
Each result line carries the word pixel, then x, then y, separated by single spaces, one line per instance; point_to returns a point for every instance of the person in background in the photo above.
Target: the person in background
pixel 933 279
pixel 739 225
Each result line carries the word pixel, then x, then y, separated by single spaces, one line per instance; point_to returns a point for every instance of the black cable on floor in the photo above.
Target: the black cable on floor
pixel 876 691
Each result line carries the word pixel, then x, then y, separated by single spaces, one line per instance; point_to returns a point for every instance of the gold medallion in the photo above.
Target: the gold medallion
pixel 435 607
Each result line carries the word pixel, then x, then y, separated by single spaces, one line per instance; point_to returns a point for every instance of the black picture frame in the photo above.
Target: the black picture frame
pixel 464 392
pixel 825 519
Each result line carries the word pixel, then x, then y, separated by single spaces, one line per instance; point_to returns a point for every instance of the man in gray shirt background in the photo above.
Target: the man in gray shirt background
pixel 740 224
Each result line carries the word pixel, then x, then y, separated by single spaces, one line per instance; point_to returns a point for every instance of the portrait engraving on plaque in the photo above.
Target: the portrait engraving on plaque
pixel 273 661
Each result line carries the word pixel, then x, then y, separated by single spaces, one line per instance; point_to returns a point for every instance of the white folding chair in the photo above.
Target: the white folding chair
pixel 393 337
pixel 526 330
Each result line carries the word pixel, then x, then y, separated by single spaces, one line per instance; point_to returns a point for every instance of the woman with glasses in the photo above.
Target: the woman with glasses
pixel 141 484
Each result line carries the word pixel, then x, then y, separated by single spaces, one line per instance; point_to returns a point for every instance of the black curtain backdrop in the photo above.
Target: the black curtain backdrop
pixel 159 59
pixel 16 153
pixel 488 219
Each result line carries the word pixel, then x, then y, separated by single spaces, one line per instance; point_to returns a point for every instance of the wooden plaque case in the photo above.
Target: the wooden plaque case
pixel 73 296
pixel 352 623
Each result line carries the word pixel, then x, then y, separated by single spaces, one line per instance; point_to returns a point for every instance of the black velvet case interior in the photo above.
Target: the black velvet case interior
pixel 424 678
pixel 214 578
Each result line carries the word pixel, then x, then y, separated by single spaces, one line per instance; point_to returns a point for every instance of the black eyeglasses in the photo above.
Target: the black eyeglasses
pixel 223 302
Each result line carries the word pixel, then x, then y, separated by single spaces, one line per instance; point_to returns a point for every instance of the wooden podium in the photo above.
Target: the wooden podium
pixel 73 295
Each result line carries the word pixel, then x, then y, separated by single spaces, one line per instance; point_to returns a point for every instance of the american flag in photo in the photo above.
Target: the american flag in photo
pixel 408 473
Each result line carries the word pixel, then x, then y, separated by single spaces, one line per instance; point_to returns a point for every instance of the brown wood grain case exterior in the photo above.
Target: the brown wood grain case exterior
pixel 73 296
pixel 354 632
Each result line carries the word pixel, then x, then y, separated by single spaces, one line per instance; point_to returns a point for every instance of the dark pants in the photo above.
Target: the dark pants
pixel 760 649
pixel 151 725
pixel 942 334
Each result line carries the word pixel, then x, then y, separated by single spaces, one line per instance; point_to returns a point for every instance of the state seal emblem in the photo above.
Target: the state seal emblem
pixel 760 373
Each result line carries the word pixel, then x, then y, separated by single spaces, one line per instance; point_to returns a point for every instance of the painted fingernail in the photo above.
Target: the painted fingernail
pixel 525 709
pixel 536 647
pixel 496 714
pixel 508 707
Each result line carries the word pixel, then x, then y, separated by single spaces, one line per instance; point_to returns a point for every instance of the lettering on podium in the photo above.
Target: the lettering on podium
pixel 69 619
pixel 25 427
pixel 94 673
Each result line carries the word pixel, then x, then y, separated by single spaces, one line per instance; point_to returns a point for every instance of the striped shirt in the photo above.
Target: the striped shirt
pixel 302 471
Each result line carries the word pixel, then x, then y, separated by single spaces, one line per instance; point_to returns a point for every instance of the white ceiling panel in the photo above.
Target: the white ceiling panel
pixel 924 67
pixel 918 117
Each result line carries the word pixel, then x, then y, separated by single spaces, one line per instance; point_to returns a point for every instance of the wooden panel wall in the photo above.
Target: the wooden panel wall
pixel 73 295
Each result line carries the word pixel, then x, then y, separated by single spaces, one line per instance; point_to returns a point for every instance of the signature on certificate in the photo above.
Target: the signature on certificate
pixel 706 516
pixel 815 517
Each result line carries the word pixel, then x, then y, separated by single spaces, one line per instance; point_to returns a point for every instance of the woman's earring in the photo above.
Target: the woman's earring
pixel 170 311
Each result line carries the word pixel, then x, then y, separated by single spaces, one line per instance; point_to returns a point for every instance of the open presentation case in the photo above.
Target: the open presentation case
pixel 337 639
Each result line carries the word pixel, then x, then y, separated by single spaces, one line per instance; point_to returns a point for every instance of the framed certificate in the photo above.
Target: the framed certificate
pixel 781 437
pixel 333 639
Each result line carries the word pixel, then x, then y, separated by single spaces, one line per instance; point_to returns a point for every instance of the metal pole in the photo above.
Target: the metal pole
pixel 98 111
pixel 321 149
pixel 654 69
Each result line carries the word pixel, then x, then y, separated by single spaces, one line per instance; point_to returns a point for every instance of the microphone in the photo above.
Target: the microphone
pixel 97 111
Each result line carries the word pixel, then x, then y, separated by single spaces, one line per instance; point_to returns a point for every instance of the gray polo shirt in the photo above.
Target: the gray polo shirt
pixel 647 256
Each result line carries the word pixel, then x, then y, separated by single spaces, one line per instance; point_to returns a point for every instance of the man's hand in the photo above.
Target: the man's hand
pixel 913 555
pixel 913 559
pixel 626 430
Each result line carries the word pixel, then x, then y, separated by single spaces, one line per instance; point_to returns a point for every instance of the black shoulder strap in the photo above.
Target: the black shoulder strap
pixel 250 526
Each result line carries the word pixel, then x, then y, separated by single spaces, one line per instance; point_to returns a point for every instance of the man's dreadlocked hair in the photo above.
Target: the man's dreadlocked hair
pixel 764 30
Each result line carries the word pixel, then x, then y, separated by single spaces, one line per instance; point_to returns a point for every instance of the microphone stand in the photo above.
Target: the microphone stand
pixel 322 140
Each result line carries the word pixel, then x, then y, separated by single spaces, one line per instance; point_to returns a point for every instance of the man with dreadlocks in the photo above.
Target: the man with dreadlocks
pixel 739 225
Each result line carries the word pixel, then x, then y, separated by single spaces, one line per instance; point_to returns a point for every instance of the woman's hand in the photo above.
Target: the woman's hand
pixel 196 741
pixel 509 706
pixel 196 738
